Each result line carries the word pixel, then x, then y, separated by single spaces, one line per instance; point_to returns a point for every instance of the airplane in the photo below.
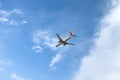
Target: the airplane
pixel 64 42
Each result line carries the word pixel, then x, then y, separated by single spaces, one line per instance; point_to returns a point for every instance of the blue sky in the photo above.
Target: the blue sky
pixel 28 38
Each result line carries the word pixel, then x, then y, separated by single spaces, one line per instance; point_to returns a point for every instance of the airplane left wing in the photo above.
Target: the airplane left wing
pixel 58 44
pixel 59 37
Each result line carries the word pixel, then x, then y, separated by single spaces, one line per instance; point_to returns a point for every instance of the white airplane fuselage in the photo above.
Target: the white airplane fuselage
pixel 61 42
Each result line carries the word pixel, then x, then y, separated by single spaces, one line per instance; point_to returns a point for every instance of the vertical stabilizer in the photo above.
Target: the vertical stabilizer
pixel 72 34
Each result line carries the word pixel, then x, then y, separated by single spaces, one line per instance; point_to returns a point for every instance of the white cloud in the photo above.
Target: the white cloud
pixel 6 13
pixel 2 62
pixel 102 63
pixel 55 59
pixel 5 62
pixel 6 16
pixel 44 39
pixel 24 22
pixel 13 22
pixel 16 11
pixel 37 48
pixel 1 69
pixel 115 2
pixel 3 19
pixel 16 77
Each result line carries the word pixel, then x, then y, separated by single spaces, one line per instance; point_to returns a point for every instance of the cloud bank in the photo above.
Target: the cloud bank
pixel 5 63
pixel 37 48
pixel 16 77
pixel 6 17
pixel 55 60
pixel 102 63
pixel 43 39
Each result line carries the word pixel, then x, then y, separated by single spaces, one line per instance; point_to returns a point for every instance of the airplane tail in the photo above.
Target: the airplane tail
pixel 72 34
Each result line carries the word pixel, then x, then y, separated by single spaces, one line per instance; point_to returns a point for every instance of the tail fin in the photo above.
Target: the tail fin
pixel 72 34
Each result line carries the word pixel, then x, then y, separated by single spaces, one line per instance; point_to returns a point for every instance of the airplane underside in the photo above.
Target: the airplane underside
pixel 64 41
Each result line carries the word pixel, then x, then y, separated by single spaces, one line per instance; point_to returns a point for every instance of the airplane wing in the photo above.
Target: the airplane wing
pixel 58 44
pixel 59 37
pixel 70 43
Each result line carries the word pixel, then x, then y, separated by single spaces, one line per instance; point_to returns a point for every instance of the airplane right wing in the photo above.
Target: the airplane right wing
pixel 60 39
